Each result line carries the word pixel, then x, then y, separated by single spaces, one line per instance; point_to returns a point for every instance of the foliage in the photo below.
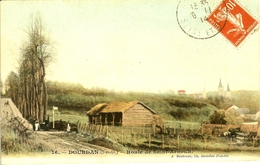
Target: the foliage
pixel 14 138
pixel 190 109
pixel 232 117
pixel 11 143
pixel 226 117
pixel 169 107
pixel 247 99
pixel 13 87
pixel 27 88
pixel 218 117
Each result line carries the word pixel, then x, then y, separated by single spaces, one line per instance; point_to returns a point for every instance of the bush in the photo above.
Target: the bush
pixel 9 141
pixel 218 117
pixel 232 117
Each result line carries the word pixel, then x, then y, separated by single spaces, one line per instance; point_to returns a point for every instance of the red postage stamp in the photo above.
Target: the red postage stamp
pixel 238 22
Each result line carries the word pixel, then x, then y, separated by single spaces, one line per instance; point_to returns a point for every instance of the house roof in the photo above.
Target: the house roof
pixel 181 91
pixel 232 106
pixel 116 107
pixel 96 109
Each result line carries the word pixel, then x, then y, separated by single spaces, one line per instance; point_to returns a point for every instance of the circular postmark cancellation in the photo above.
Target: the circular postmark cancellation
pixel 192 18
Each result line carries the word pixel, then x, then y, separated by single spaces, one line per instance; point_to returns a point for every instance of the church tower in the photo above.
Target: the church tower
pixel 220 89
pixel 228 92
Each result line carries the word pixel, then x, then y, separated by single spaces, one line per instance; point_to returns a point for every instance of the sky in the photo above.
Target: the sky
pixel 130 46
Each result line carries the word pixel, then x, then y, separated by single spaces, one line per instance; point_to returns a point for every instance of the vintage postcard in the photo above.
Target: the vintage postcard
pixel 87 82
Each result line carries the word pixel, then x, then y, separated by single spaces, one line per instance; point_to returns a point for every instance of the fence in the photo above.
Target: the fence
pixel 142 134
pixel 181 127
pixel 218 129
pixel 186 135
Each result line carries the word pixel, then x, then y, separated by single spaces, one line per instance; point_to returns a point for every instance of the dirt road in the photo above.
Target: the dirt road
pixel 50 142
pixel 58 143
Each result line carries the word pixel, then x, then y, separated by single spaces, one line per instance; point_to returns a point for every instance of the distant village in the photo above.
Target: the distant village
pixel 222 94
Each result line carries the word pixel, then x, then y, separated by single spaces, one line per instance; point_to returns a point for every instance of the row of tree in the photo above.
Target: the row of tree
pixel 27 87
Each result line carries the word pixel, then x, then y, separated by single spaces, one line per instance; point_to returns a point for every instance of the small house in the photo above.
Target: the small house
pixel 181 92
pixel 232 107
pixel 121 114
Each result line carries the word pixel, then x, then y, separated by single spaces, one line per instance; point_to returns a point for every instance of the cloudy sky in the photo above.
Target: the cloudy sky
pixel 130 46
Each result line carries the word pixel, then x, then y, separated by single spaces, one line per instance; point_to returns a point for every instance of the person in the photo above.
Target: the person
pixel 46 121
pixel 36 125
pixel 68 127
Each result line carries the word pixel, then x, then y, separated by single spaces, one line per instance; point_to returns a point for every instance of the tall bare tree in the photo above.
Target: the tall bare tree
pixel 36 54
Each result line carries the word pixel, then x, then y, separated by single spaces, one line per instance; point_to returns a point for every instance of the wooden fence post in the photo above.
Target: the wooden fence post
pixel 88 127
pixel 78 126
pixel 191 142
pixel 230 143
pixel 84 129
pixel 204 142
pixel 91 128
pixel 122 136
pixel 163 141
pixel 253 142
pixel 174 129
pixel 202 129
pixel 178 141
pixel 100 130
pixel 107 131
pixel 149 140
pixel 134 138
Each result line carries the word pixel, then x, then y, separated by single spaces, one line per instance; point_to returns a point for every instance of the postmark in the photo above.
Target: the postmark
pixel 239 23
pixel 192 18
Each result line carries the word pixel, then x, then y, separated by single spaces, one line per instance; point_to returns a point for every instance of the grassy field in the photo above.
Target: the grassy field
pixel 74 101
pixel 66 115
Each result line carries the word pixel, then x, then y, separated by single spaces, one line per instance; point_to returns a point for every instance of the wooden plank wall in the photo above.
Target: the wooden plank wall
pixel 137 114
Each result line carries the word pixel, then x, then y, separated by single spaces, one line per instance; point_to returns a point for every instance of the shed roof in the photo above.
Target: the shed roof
pixel 122 107
pixel 115 107
pixel 96 109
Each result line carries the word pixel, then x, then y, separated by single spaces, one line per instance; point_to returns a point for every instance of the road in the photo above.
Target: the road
pixel 49 140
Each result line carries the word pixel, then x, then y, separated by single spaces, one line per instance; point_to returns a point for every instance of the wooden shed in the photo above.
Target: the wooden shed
pixel 94 116
pixel 121 113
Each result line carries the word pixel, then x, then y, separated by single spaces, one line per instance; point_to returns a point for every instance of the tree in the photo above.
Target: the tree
pixel 36 54
pixel 232 117
pixel 222 116
pixel 13 86
pixel 218 117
